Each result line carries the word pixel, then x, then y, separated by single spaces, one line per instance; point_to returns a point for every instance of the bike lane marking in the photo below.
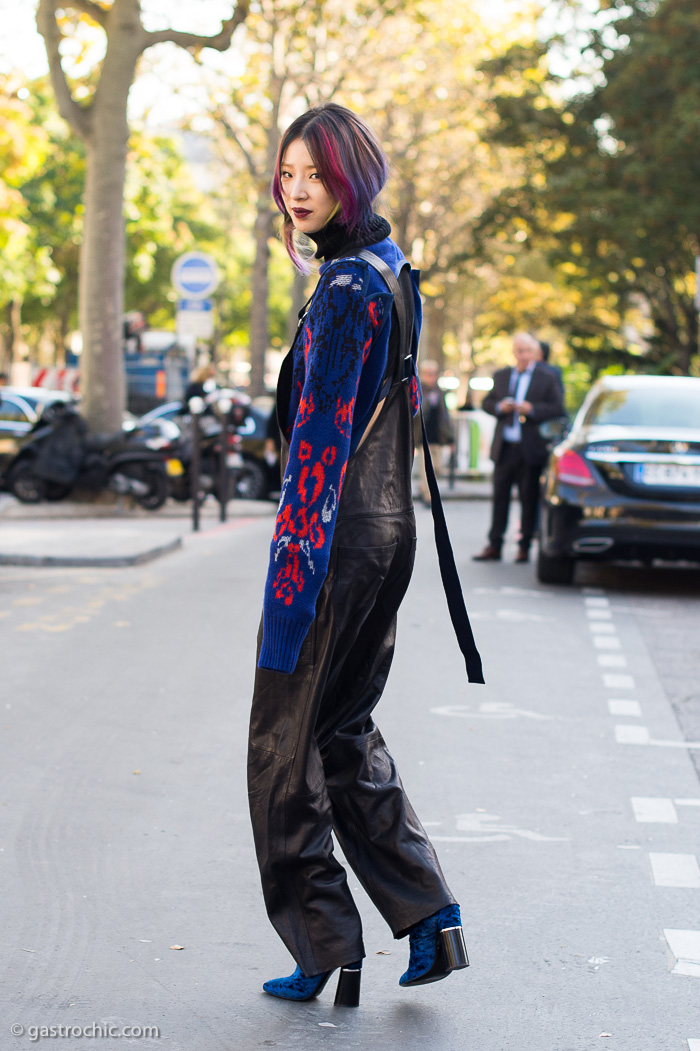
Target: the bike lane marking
pixel 668 870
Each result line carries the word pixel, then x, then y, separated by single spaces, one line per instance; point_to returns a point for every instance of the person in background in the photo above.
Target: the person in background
pixel 438 425
pixel 544 352
pixel 522 398
pixel 202 382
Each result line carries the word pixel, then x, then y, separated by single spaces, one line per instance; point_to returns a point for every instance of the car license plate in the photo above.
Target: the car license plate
pixel 174 468
pixel 684 476
pixel 234 460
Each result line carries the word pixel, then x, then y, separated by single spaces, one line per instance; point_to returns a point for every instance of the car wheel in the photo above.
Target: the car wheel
pixel 251 483
pixel 555 569
pixel 25 484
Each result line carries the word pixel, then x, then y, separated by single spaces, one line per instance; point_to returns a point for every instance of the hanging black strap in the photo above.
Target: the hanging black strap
pixel 446 558
pixel 448 570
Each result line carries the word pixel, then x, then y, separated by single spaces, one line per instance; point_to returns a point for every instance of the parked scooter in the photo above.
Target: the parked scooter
pixel 59 456
pixel 245 479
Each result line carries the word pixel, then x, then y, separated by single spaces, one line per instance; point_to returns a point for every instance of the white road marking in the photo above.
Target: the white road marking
pixel 469 839
pixel 596 602
pixel 624 707
pixel 632 735
pixel 687 802
pixel 489 830
pixel 693 1045
pixel 615 681
pixel 652 810
pixel 640 735
pixel 611 660
pixel 675 870
pixel 685 946
pixel 599 614
pixel 602 627
pixel 607 642
pixel 524 592
pixel 488 710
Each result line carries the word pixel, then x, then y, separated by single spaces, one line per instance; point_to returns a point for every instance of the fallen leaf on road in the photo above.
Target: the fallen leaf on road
pixel 177 946
pixel 383 952
pixel 136 771
pixel 604 1034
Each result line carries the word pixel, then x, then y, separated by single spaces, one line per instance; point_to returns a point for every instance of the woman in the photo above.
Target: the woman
pixel 341 559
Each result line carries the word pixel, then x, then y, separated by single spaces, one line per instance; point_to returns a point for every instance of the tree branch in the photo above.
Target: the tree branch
pixel 194 41
pixel 91 9
pixel 78 117
pixel 233 135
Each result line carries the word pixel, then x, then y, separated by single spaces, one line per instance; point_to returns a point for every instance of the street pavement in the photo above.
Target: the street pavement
pixel 562 798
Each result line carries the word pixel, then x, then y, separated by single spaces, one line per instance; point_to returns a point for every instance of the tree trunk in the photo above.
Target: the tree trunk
pixel 434 323
pixel 299 298
pixel 101 292
pixel 14 325
pixel 259 321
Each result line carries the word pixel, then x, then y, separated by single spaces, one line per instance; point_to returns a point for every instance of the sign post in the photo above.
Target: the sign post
pixel 195 276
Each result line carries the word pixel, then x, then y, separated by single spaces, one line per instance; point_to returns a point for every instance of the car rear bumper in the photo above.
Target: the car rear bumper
pixel 620 533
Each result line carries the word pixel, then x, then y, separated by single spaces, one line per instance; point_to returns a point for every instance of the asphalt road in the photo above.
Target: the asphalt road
pixel 561 797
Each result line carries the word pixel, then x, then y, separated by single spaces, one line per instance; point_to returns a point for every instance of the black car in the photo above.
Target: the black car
pixel 625 482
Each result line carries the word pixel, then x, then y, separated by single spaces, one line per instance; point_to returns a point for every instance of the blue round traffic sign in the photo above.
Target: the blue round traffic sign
pixel 195 275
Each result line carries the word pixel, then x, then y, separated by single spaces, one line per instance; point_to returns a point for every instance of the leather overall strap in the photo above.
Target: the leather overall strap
pixel 446 559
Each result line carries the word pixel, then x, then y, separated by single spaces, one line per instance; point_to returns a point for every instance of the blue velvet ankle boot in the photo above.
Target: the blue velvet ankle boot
pixel 298 986
pixel 437 948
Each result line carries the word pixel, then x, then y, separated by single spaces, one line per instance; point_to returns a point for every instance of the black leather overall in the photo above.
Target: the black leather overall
pixel 317 762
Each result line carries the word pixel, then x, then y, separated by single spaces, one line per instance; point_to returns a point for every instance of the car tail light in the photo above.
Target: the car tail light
pixel 572 469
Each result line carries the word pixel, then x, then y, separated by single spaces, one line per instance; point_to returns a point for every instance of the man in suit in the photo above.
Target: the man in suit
pixel 521 399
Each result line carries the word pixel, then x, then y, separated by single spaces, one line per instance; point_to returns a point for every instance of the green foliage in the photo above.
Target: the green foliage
pixel 610 189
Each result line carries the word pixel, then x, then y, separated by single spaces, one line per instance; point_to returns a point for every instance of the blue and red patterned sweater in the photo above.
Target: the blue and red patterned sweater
pixel 339 361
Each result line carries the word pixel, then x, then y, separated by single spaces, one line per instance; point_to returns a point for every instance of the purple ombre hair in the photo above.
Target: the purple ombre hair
pixel 350 161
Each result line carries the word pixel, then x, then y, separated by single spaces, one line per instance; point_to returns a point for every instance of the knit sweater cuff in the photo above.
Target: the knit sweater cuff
pixel 282 641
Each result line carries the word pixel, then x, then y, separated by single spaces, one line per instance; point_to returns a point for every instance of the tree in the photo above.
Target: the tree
pixel 100 120
pixel 607 188
pixel 300 54
pixel 23 150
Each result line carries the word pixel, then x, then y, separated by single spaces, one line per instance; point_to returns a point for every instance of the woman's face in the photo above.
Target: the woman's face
pixel 305 197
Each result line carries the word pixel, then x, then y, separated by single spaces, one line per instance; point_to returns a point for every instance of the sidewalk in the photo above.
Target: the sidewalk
pixel 113 533
pixel 106 535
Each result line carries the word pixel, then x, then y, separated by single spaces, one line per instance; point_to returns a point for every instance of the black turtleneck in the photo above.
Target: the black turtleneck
pixel 333 239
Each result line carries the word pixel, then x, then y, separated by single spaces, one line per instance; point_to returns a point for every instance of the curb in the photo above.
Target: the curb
pixel 92 561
